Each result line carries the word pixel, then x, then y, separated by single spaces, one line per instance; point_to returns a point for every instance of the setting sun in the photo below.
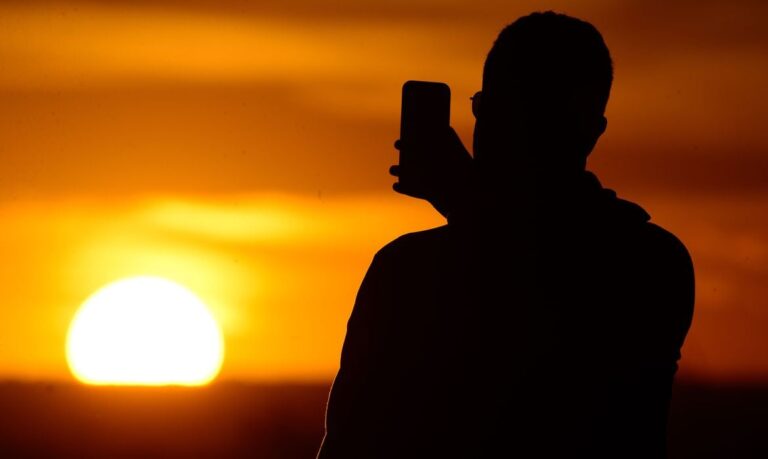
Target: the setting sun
pixel 144 331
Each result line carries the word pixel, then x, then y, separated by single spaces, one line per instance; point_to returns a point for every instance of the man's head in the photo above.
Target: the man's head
pixel 546 83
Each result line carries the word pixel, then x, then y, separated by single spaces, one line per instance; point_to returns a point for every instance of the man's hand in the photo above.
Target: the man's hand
pixel 438 171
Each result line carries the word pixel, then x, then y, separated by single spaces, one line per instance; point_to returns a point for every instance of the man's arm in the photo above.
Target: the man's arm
pixel 358 396
pixel 660 323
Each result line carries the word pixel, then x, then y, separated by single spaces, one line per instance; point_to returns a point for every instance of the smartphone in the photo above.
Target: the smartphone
pixel 425 110
pixel 426 106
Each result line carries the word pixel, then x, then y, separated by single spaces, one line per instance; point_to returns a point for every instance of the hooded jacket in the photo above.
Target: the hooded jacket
pixel 551 328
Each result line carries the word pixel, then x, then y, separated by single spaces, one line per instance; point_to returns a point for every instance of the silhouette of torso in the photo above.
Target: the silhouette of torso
pixel 544 333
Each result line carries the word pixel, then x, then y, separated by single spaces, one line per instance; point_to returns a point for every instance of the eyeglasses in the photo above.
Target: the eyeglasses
pixel 476 103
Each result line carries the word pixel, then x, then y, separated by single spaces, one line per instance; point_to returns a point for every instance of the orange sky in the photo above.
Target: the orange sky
pixel 242 150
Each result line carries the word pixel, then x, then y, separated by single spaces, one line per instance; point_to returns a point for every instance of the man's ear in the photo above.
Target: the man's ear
pixel 598 128
pixel 594 127
pixel 602 125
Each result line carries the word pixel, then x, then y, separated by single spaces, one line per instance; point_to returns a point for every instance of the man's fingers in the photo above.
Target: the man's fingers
pixel 398 187
pixel 398 144
pixel 395 170
pixel 408 191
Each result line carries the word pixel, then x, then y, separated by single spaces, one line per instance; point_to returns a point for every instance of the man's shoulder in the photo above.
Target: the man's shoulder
pixel 668 266
pixel 628 224
pixel 662 243
pixel 412 244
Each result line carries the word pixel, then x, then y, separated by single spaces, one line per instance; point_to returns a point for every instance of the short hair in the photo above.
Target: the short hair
pixel 553 51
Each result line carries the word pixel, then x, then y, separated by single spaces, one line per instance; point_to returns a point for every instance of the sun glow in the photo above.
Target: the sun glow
pixel 144 331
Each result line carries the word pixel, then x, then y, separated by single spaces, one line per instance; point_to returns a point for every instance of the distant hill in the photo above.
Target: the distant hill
pixel 229 420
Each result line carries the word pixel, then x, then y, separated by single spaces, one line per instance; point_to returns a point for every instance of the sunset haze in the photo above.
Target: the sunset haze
pixel 241 150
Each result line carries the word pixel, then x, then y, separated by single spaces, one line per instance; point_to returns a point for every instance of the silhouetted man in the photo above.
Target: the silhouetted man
pixel 546 319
